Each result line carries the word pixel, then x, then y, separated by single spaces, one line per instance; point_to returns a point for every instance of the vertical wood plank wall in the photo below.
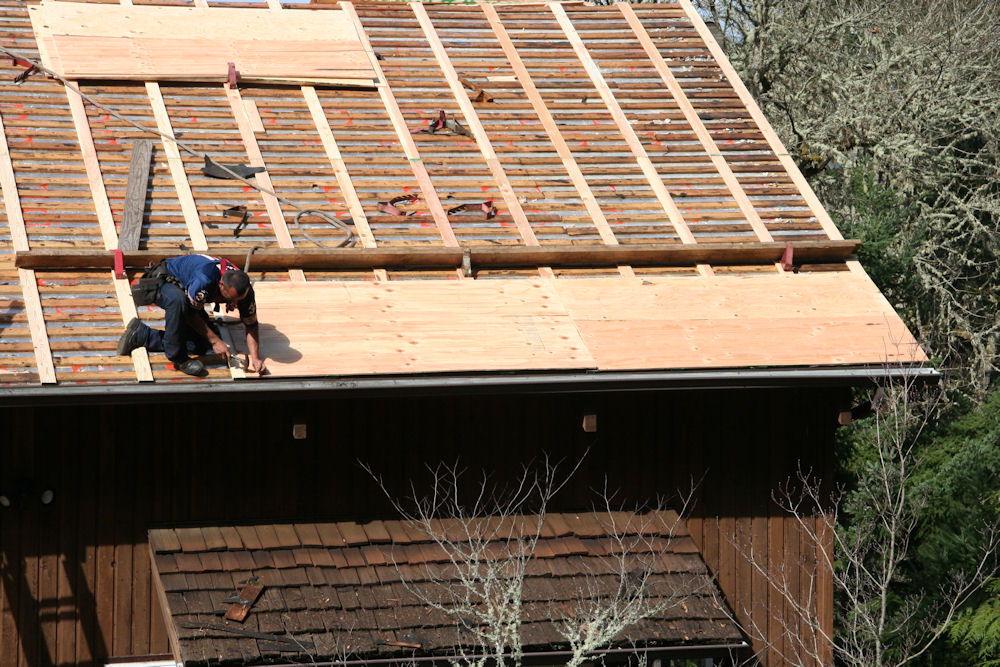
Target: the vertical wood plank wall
pixel 75 585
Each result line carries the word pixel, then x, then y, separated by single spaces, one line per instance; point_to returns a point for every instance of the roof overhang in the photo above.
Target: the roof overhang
pixel 485 383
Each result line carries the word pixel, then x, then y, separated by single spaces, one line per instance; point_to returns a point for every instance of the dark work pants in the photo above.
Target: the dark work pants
pixel 178 339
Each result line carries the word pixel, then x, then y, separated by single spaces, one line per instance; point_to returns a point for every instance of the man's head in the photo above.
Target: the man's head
pixel 234 285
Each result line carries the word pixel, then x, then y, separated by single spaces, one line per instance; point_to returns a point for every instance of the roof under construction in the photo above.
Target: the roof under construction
pixel 446 189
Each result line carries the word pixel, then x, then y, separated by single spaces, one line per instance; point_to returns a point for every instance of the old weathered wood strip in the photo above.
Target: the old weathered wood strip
pixel 622 122
pixel 405 139
pixel 26 277
pixel 475 126
pixel 105 219
pixel 135 195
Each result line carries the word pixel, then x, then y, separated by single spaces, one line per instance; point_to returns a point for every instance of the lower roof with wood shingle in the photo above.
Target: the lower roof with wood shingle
pixel 335 591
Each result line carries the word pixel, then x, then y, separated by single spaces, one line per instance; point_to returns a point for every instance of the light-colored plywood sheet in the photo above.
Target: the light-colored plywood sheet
pixel 737 321
pixel 355 328
pixel 352 328
pixel 85 40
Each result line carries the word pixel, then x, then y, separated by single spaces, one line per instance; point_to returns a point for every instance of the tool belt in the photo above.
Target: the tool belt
pixel 147 290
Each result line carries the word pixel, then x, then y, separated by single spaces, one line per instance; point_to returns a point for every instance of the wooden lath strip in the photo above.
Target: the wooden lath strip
pixel 555 136
pixel 405 139
pixel 105 219
pixel 274 212
pixel 340 171
pixel 765 127
pixel 183 189
pixel 746 206
pixel 618 115
pixel 475 126
pixel 337 162
pixel 478 132
pixel 26 277
pixel 188 208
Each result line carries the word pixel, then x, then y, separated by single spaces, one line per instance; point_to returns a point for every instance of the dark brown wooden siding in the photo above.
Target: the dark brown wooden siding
pixel 75 573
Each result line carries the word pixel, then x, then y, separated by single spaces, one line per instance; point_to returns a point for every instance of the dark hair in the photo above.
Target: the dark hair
pixel 236 279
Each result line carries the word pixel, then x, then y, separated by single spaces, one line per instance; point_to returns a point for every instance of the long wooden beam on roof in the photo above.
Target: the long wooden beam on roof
pixel 26 277
pixel 494 257
pixel 634 144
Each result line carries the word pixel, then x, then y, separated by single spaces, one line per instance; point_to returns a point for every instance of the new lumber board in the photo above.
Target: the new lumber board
pixel 774 320
pixel 140 358
pixel 26 277
pixel 149 43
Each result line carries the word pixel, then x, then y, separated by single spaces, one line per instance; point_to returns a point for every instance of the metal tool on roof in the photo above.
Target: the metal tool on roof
pixel 237 212
pixel 481 95
pixel 441 123
pixel 20 78
pixel 216 170
pixel 391 208
pixel 486 208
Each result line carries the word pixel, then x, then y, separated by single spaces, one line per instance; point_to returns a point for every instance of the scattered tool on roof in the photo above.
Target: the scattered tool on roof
pixel 237 212
pixel 480 96
pixel 441 123
pixel 391 208
pixel 22 76
pixel 486 208
pixel 216 170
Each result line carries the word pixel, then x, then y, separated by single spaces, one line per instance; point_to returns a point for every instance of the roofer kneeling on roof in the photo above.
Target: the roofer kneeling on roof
pixel 181 286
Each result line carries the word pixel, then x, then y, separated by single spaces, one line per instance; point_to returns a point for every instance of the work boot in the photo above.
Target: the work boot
pixel 130 339
pixel 192 367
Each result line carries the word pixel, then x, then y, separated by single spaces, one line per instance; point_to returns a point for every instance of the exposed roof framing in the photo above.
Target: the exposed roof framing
pixel 609 129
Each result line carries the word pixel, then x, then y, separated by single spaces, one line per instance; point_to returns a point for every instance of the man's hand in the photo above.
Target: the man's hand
pixel 220 348
pixel 256 365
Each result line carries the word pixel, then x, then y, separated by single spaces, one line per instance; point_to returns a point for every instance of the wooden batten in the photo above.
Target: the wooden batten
pixel 552 130
pixel 406 140
pixel 105 219
pixel 26 277
pixel 622 122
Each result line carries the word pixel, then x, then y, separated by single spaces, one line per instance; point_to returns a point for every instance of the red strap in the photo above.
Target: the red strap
pixel 119 263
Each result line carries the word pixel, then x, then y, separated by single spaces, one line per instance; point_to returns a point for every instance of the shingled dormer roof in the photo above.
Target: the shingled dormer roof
pixel 530 188
pixel 359 591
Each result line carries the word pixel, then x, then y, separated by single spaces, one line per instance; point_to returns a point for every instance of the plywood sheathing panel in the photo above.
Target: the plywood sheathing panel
pixel 416 327
pixel 607 324
pixel 144 43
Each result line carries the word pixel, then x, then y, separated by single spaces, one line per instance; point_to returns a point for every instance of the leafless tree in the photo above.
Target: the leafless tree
pixel 489 533
pixel 622 594
pixel 896 101
pixel 880 621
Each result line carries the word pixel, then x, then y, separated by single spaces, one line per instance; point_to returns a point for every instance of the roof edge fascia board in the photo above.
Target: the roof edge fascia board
pixel 535 383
